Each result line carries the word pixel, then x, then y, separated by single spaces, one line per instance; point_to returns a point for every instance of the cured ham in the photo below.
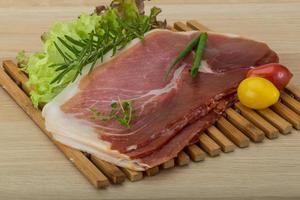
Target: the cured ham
pixel 168 113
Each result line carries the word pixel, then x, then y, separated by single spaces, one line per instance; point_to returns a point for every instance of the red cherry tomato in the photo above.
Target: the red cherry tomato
pixel 278 74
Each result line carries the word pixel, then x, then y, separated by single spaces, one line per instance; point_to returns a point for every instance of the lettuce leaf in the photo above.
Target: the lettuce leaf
pixel 38 66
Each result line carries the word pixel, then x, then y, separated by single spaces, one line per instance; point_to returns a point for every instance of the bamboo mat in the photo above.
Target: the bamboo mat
pixel 236 128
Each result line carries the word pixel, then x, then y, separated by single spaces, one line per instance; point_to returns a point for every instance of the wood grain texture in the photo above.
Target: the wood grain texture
pixel 231 132
pixel 195 153
pixel 288 114
pixel 169 164
pixel 33 168
pixel 111 171
pixel 283 125
pixel 291 102
pixel 182 159
pixel 294 90
pixel 270 131
pixel 209 145
pixel 17 75
pixel 152 171
pixel 249 129
pixel 225 144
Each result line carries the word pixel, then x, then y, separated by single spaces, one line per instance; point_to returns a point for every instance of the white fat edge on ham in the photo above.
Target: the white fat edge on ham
pixel 205 68
pixel 172 85
pixel 80 134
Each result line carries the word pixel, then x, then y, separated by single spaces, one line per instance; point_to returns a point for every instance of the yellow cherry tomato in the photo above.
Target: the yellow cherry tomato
pixel 257 93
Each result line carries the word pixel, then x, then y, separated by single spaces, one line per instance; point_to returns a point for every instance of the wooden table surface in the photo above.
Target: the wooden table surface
pixel 31 167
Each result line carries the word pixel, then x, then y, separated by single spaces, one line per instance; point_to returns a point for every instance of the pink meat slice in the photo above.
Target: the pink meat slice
pixel 187 134
pixel 165 111
pixel 202 91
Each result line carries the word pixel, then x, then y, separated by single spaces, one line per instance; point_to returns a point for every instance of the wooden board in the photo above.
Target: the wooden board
pixel 237 127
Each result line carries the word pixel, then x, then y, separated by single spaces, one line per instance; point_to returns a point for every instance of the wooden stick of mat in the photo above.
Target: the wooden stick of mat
pixel 114 174
pixel 17 75
pixel 225 144
pixel 209 145
pixel 195 153
pixel 244 125
pixel 272 117
pixel 234 134
pixel 295 91
pixel 132 175
pixel 288 114
pixel 169 164
pixel 270 131
pixel 180 26
pixel 75 156
pixel 195 25
pixel 182 159
pixel 290 102
pixel 152 171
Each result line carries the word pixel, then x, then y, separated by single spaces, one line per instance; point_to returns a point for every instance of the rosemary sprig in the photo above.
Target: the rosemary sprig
pixel 77 54
pixel 120 110
pixel 199 54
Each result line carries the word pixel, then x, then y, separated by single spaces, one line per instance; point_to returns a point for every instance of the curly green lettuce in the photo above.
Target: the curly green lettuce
pixel 38 66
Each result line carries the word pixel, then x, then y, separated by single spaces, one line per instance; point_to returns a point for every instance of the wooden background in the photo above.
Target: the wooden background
pixel 32 168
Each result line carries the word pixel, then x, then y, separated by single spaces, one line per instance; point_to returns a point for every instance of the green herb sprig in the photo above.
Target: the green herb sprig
pixel 77 54
pixel 200 42
pixel 120 110
pixel 199 54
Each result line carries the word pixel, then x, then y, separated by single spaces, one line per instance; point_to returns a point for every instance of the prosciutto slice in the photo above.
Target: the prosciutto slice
pixel 168 113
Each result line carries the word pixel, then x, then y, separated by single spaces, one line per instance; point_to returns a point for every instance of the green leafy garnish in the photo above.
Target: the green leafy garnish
pixel 200 42
pixel 68 47
pixel 79 53
pixel 189 47
pixel 22 60
pixel 199 54
pixel 120 110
